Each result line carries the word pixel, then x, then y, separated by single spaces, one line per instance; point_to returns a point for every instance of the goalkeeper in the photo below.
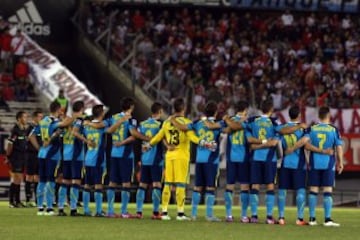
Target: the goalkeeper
pixel 177 159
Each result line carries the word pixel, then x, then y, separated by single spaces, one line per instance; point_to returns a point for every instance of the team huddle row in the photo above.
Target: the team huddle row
pixel 253 146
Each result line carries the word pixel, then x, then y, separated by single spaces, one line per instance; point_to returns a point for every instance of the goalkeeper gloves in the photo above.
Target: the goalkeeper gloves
pixel 212 146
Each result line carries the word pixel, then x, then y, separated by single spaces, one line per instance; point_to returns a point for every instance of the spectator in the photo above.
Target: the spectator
pixel 63 101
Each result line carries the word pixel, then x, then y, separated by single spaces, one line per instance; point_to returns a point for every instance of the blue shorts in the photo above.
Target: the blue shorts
pixel 121 170
pixel 66 169
pixel 321 178
pixel 237 172
pixel 150 174
pixel 206 174
pixel 48 169
pixel 76 169
pixel 72 169
pixel 94 175
pixel 262 172
pixel 292 178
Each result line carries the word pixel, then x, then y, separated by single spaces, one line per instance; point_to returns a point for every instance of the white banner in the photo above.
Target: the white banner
pixel 346 120
pixel 49 75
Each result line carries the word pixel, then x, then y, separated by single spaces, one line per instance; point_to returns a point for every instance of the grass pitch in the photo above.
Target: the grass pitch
pixel 24 224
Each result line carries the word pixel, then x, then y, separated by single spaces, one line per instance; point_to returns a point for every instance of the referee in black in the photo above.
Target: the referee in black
pixel 16 156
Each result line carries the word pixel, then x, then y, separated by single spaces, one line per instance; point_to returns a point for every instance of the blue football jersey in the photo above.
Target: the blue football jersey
pixel 47 126
pixel 295 160
pixel 95 156
pixel 120 134
pixel 204 155
pixel 68 144
pixel 237 149
pixel 323 136
pixel 263 127
pixel 154 156
pixel 79 148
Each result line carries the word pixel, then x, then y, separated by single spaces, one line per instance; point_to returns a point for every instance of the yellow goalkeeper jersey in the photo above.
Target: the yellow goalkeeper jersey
pixel 179 139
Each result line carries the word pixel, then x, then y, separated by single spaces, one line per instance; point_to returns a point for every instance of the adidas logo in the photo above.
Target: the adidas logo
pixel 29 20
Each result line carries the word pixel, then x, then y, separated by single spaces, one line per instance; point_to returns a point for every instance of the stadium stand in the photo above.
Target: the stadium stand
pixel 231 55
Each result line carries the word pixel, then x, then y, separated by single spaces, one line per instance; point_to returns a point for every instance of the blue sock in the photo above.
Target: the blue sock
pixel 40 192
pixel 195 203
pixel 156 198
pixel 244 197
pixel 328 203
pixel 110 197
pixel 270 202
pixel 74 196
pixel 300 202
pixel 125 197
pixel 254 202
pixel 312 203
pixel 62 196
pixel 98 201
pixel 140 198
pixel 50 193
pixel 228 197
pixel 281 202
pixel 210 201
pixel 86 200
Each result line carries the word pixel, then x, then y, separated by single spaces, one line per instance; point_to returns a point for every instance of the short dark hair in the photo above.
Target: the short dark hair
pixel 37 112
pixel 19 114
pixel 156 107
pixel 241 106
pixel 266 106
pixel 127 103
pixel 323 112
pixel 179 105
pixel 54 106
pixel 294 112
pixel 97 110
pixel 77 106
pixel 210 109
